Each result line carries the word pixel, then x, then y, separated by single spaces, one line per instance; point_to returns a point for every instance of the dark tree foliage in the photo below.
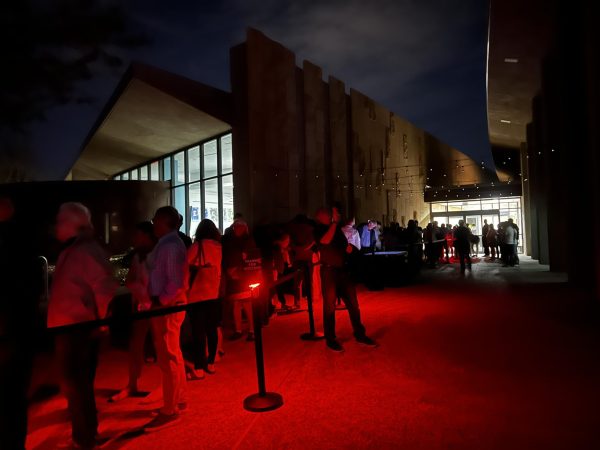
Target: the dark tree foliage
pixel 48 47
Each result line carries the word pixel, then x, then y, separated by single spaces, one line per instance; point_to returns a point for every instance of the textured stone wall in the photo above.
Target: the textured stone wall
pixel 303 143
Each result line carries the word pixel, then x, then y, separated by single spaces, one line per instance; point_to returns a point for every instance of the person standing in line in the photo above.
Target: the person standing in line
pixel 187 241
pixel 351 233
pixel 509 244
pixel 167 267
pixel 282 266
pixel 137 283
pixel 492 241
pixel 82 288
pixel 335 279
pixel 462 243
pixel 20 278
pixel 484 240
pixel 236 247
pixel 301 230
pixel 368 237
pixel 204 260
pixel 443 237
pixel 516 242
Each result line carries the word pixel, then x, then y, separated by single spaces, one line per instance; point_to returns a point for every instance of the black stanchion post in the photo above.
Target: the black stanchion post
pixel 312 335
pixel 263 400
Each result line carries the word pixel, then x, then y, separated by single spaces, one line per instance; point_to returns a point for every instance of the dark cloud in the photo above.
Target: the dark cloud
pixel 424 60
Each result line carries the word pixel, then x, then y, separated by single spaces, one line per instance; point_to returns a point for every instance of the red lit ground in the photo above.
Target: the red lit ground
pixel 503 359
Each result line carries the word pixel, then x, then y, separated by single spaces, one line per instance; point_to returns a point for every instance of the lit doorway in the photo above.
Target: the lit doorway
pixel 475 212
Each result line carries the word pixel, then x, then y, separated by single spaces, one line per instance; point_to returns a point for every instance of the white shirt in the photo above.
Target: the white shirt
pixel 509 235
pixel 352 235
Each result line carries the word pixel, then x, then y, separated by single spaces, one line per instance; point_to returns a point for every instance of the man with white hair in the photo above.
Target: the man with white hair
pixel 82 288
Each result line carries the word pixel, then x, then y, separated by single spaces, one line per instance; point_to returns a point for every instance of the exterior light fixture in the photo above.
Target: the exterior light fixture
pixel 505 121
pixel 511 60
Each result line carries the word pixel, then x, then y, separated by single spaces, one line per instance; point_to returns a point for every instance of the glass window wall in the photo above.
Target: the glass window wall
pixel 201 179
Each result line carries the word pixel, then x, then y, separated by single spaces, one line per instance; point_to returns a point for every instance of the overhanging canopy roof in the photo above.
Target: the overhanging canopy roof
pixel 151 113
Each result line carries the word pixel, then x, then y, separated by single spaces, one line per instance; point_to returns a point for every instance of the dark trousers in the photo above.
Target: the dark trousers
pixel 336 281
pixel 205 318
pixel 16 356
pixel 464 256
pixel 284 288
pixel 77 356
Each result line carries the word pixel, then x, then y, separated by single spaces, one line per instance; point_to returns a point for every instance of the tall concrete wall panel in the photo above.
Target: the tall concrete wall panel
pixel 340 176
pixel 315 136
pixel 272 127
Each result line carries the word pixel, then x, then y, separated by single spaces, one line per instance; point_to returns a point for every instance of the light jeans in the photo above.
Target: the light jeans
pixel 165 331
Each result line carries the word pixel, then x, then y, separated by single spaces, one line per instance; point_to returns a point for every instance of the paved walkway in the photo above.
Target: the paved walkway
pixel 504 358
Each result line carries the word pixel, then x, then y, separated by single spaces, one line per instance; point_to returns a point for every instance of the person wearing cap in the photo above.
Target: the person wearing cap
pixel 82 288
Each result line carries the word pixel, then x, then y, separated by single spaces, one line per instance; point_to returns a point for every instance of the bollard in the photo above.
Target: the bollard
pixel 262 401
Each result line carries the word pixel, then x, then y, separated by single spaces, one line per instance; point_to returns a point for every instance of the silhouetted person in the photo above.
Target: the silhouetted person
pixel 492 240
pixel 137 283
pixel 301 230
pixel 335 279
pixel 19 292
pixel 184 237
pixel 236 248
pixel 484 240
pixel 82 288
pixel 462 244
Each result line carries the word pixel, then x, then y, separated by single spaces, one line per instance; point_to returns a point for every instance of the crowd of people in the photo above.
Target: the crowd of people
pixel 166 269
pixel 445 242
pixel 212 274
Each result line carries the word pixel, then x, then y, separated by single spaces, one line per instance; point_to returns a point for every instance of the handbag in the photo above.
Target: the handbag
pixel 204 282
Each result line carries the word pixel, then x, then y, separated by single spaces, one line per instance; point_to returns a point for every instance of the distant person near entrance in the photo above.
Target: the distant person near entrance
pixel 484 239
pixel 462 244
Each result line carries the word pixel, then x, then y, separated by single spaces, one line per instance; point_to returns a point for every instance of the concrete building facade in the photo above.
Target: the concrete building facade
pixel 291 140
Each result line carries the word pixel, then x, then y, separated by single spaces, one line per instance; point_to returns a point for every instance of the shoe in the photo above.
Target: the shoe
pixel 210 369
pixel 122 394
pixel 235 336
pixel 250 337
pixel 195 374
pixel 366 340
pixel 335 345
pixel 181 408
pixel 70 444
pixel 160 422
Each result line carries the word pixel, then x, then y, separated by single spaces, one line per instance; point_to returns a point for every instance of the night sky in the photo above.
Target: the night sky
pixel 425 60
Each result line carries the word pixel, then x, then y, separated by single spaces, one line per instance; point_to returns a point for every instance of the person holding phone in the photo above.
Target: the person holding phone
pixel 333 247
